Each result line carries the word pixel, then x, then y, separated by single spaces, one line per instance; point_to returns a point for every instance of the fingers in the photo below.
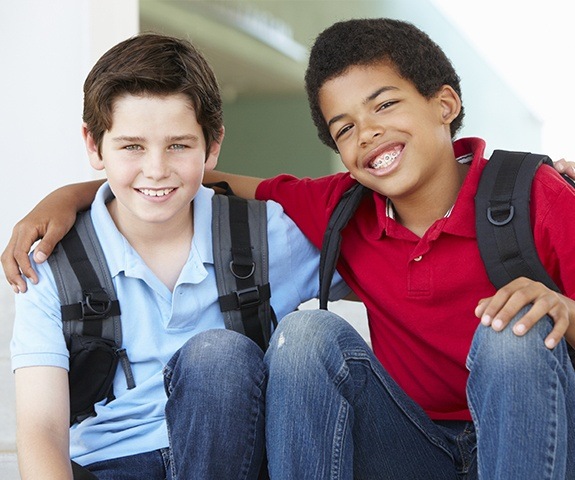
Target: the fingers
pixel 563 166
pixel 46 246
pixel 497 311
pixel 13 259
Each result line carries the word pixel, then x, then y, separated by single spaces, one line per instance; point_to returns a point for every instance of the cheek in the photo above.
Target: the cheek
pixel 347 157
pixel 194 173
pixel 121 173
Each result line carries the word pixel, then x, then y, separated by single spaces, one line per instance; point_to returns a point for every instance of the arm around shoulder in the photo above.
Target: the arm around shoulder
pixel 50 220
pixel 42 423
pixel 242 185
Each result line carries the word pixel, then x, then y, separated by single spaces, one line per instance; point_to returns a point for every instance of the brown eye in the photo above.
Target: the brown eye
pixel 343 131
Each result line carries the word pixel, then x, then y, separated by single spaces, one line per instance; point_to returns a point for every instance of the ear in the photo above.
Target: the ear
pixel 92 149
pixel 214 152
pixel 450 104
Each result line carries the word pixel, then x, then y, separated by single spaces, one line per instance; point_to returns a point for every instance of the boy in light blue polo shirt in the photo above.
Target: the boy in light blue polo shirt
pixel 153 122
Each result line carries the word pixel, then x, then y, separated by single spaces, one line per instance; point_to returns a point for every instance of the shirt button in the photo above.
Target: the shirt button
pixel 418 259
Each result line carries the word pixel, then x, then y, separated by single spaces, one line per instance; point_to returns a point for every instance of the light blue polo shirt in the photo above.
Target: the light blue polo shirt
pixel 155 321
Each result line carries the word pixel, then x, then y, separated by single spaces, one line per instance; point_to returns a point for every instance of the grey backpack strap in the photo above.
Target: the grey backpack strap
pixel 90 316
pixel 241 262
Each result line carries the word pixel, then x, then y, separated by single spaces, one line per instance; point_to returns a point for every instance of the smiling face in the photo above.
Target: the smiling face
pixel 390 137
pixel 154 156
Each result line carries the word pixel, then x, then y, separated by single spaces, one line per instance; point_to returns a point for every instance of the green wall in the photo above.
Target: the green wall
pixel 270 135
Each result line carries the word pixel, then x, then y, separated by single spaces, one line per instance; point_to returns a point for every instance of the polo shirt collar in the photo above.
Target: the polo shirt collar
pixel 120 255
pixel 460 219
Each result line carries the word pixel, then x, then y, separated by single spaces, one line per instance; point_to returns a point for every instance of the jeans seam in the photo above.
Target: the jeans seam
pixel 253 434
pixel 339 439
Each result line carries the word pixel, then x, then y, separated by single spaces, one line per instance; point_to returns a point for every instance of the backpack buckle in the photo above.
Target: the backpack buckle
pixel 248 297
pixel 96 305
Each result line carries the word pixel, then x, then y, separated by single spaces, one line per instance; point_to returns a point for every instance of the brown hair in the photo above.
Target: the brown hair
pixel 152 64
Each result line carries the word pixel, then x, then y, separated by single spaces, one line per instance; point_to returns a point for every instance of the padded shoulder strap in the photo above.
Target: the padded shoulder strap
pixel 89 307
pixel 331 243
pixel 84 284
pixel 241 262
pixel 503 222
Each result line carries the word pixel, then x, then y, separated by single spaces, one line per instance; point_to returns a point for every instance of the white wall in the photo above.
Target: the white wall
pixel 46 50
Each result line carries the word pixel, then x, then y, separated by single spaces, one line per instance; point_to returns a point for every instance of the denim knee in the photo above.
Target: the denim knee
pixel 214 354
pixel 309 341
pixel 507 353
pixel 309 330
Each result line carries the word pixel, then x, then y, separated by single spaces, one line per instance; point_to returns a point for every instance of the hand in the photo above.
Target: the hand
pixel 498 310
pixel 34 226
pixel 50 220
pixel 563 166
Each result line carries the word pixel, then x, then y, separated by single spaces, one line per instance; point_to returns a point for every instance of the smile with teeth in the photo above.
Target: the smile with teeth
pixel 384 160
pixel 156 193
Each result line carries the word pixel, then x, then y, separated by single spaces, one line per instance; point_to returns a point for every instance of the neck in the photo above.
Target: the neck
pixel 164 247
pixel 418 212
pixel 148 235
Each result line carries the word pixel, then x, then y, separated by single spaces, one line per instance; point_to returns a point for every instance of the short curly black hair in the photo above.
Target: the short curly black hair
pixel 416 57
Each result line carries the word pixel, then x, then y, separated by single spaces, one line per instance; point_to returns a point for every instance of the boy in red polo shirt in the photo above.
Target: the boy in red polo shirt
pixel 447 395
pixel 464 381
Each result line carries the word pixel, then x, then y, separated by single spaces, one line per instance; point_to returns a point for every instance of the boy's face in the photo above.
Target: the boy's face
pixel 155 157
pixel 390 137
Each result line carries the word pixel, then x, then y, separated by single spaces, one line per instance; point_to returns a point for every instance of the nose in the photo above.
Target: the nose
pixel 368 132
pixel 155 165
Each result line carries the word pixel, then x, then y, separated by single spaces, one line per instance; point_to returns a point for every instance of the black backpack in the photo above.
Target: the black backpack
pixel 91 311
pixel 503 223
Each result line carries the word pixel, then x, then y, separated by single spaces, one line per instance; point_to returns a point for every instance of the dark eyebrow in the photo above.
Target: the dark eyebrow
pixel 175 138
pixel 379 91
pixel 368 99
pixel 179 138
pixel 126 138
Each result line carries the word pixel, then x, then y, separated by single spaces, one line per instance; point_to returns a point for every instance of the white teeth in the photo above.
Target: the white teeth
pixel 156 193
pixel 384 160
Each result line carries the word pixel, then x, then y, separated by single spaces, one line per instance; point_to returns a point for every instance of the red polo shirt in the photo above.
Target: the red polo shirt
pixel 420 293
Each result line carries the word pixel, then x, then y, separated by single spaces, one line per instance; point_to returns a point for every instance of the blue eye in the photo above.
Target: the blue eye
pixel 178 146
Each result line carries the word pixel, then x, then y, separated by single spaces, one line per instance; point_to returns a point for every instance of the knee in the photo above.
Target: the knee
pixel 307 330
pixel 305 337
pixel 506 352
pixel 212 355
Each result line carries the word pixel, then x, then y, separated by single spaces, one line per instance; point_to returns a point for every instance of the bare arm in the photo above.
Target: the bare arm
pixel 42 419
pixel 242 185
pixel 49 221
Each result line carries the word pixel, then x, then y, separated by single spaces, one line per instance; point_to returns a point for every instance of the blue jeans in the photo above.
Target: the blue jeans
pixel 215 414
pixel 333 412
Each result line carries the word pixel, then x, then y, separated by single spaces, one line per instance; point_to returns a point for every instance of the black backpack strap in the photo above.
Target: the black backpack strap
pixel 240 248
pixel 503 223
pixel 90 316
pixel 331 243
